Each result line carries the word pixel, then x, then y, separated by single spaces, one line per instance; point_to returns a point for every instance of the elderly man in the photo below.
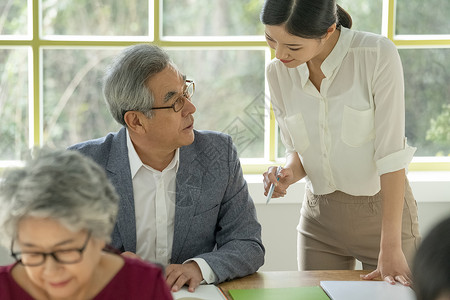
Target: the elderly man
pixel 183 200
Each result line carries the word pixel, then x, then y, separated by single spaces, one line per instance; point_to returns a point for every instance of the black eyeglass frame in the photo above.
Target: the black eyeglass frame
pixel 53 254
pixel 185 95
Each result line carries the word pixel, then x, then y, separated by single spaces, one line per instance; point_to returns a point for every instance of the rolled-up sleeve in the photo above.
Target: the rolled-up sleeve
pixel 396 161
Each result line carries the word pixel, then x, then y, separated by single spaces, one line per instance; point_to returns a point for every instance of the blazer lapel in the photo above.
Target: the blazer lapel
pixel 188 190
pixel 118 168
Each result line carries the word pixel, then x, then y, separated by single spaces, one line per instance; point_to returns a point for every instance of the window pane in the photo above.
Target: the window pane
pixel 95 17
pixel 229 94
pixel 280 148
pixel 13 17
pixel 212 17
pixel 13 103
pixel 423 17
pixel 366 15
pixel 427 100
pixel 74 109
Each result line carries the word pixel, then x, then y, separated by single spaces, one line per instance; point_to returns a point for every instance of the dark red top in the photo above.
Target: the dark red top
pixel 136 280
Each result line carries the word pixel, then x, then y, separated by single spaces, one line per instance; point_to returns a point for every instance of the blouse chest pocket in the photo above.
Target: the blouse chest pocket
pixel 357 126
pixel 297 131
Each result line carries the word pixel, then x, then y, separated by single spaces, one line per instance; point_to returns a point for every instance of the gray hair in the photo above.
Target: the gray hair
pixel 62 185
pixel 124 84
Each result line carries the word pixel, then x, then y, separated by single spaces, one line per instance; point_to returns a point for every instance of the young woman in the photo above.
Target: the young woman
pixel 338 97
pixel 57 214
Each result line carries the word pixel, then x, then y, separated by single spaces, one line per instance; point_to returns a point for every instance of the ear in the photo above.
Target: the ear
pixel 134 119
pixel 330 31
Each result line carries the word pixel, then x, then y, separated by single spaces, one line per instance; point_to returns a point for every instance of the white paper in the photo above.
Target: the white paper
pixel 367 290
pixel 202 292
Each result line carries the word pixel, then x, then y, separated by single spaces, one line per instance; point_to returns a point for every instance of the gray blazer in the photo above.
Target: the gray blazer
pixel 215 217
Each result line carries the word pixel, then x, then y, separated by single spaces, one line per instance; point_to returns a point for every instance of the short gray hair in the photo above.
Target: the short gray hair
pixel 124 84
pixel 62 185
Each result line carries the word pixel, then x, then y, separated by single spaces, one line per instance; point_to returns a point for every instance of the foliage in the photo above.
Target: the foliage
pixel 439 131
pixel 426 91
pixel 94 17
pixel 366 15
pixel 423 17
pixel 213 17
pixel 13 103
pixel 73 106
pixel 13 17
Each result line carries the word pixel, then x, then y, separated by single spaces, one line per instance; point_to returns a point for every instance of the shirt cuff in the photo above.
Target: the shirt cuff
pixel 396 161
pixel 208 274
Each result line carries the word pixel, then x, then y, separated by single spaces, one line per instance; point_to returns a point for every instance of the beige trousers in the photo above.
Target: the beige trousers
pixel 336 228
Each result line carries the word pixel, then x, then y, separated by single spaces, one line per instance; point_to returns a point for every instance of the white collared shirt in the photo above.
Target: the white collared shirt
pixel 154 200
pixel 353 130
pixel 154 203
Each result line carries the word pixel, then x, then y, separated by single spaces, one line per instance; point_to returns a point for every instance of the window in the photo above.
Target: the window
pixel 84 18
pixel 53 54
pixel 422 34
pixel 73 109
pixel 14 95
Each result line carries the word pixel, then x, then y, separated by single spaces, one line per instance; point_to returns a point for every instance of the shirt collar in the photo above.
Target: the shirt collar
pixel 136 162
pixel 333 60
pixel 340 50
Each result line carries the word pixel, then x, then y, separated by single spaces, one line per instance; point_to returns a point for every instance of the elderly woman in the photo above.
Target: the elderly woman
pixel 57 213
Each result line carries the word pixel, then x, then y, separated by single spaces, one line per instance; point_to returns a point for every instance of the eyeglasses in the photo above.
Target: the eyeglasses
pixel 67 256
pixel 179 103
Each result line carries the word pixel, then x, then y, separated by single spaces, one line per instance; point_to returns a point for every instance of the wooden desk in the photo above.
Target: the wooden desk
pixel 288 279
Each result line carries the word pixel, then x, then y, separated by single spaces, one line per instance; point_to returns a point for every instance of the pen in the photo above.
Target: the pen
pixel 272 186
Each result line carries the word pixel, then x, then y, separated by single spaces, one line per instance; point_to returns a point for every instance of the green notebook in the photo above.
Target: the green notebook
pixel 294 293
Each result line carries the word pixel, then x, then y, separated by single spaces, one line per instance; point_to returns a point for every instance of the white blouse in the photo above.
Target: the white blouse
pixel 353 130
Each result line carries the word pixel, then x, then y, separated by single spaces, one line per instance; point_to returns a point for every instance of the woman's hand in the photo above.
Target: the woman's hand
pixel 285 180
pixel 392 264
pixel 392 267
pixel 292 172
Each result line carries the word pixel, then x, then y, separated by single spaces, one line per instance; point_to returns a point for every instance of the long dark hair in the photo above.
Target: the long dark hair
pixel 305 18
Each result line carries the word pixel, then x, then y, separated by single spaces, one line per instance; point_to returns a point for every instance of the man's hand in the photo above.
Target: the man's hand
pixel 179 275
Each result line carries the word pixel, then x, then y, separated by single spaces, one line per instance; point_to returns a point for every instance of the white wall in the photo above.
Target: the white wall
pixel 279 219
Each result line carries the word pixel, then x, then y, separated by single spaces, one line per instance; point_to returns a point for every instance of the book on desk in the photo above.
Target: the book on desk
pixel 367 290
pixel 293 293
pixel 202 292
pixel 334 290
